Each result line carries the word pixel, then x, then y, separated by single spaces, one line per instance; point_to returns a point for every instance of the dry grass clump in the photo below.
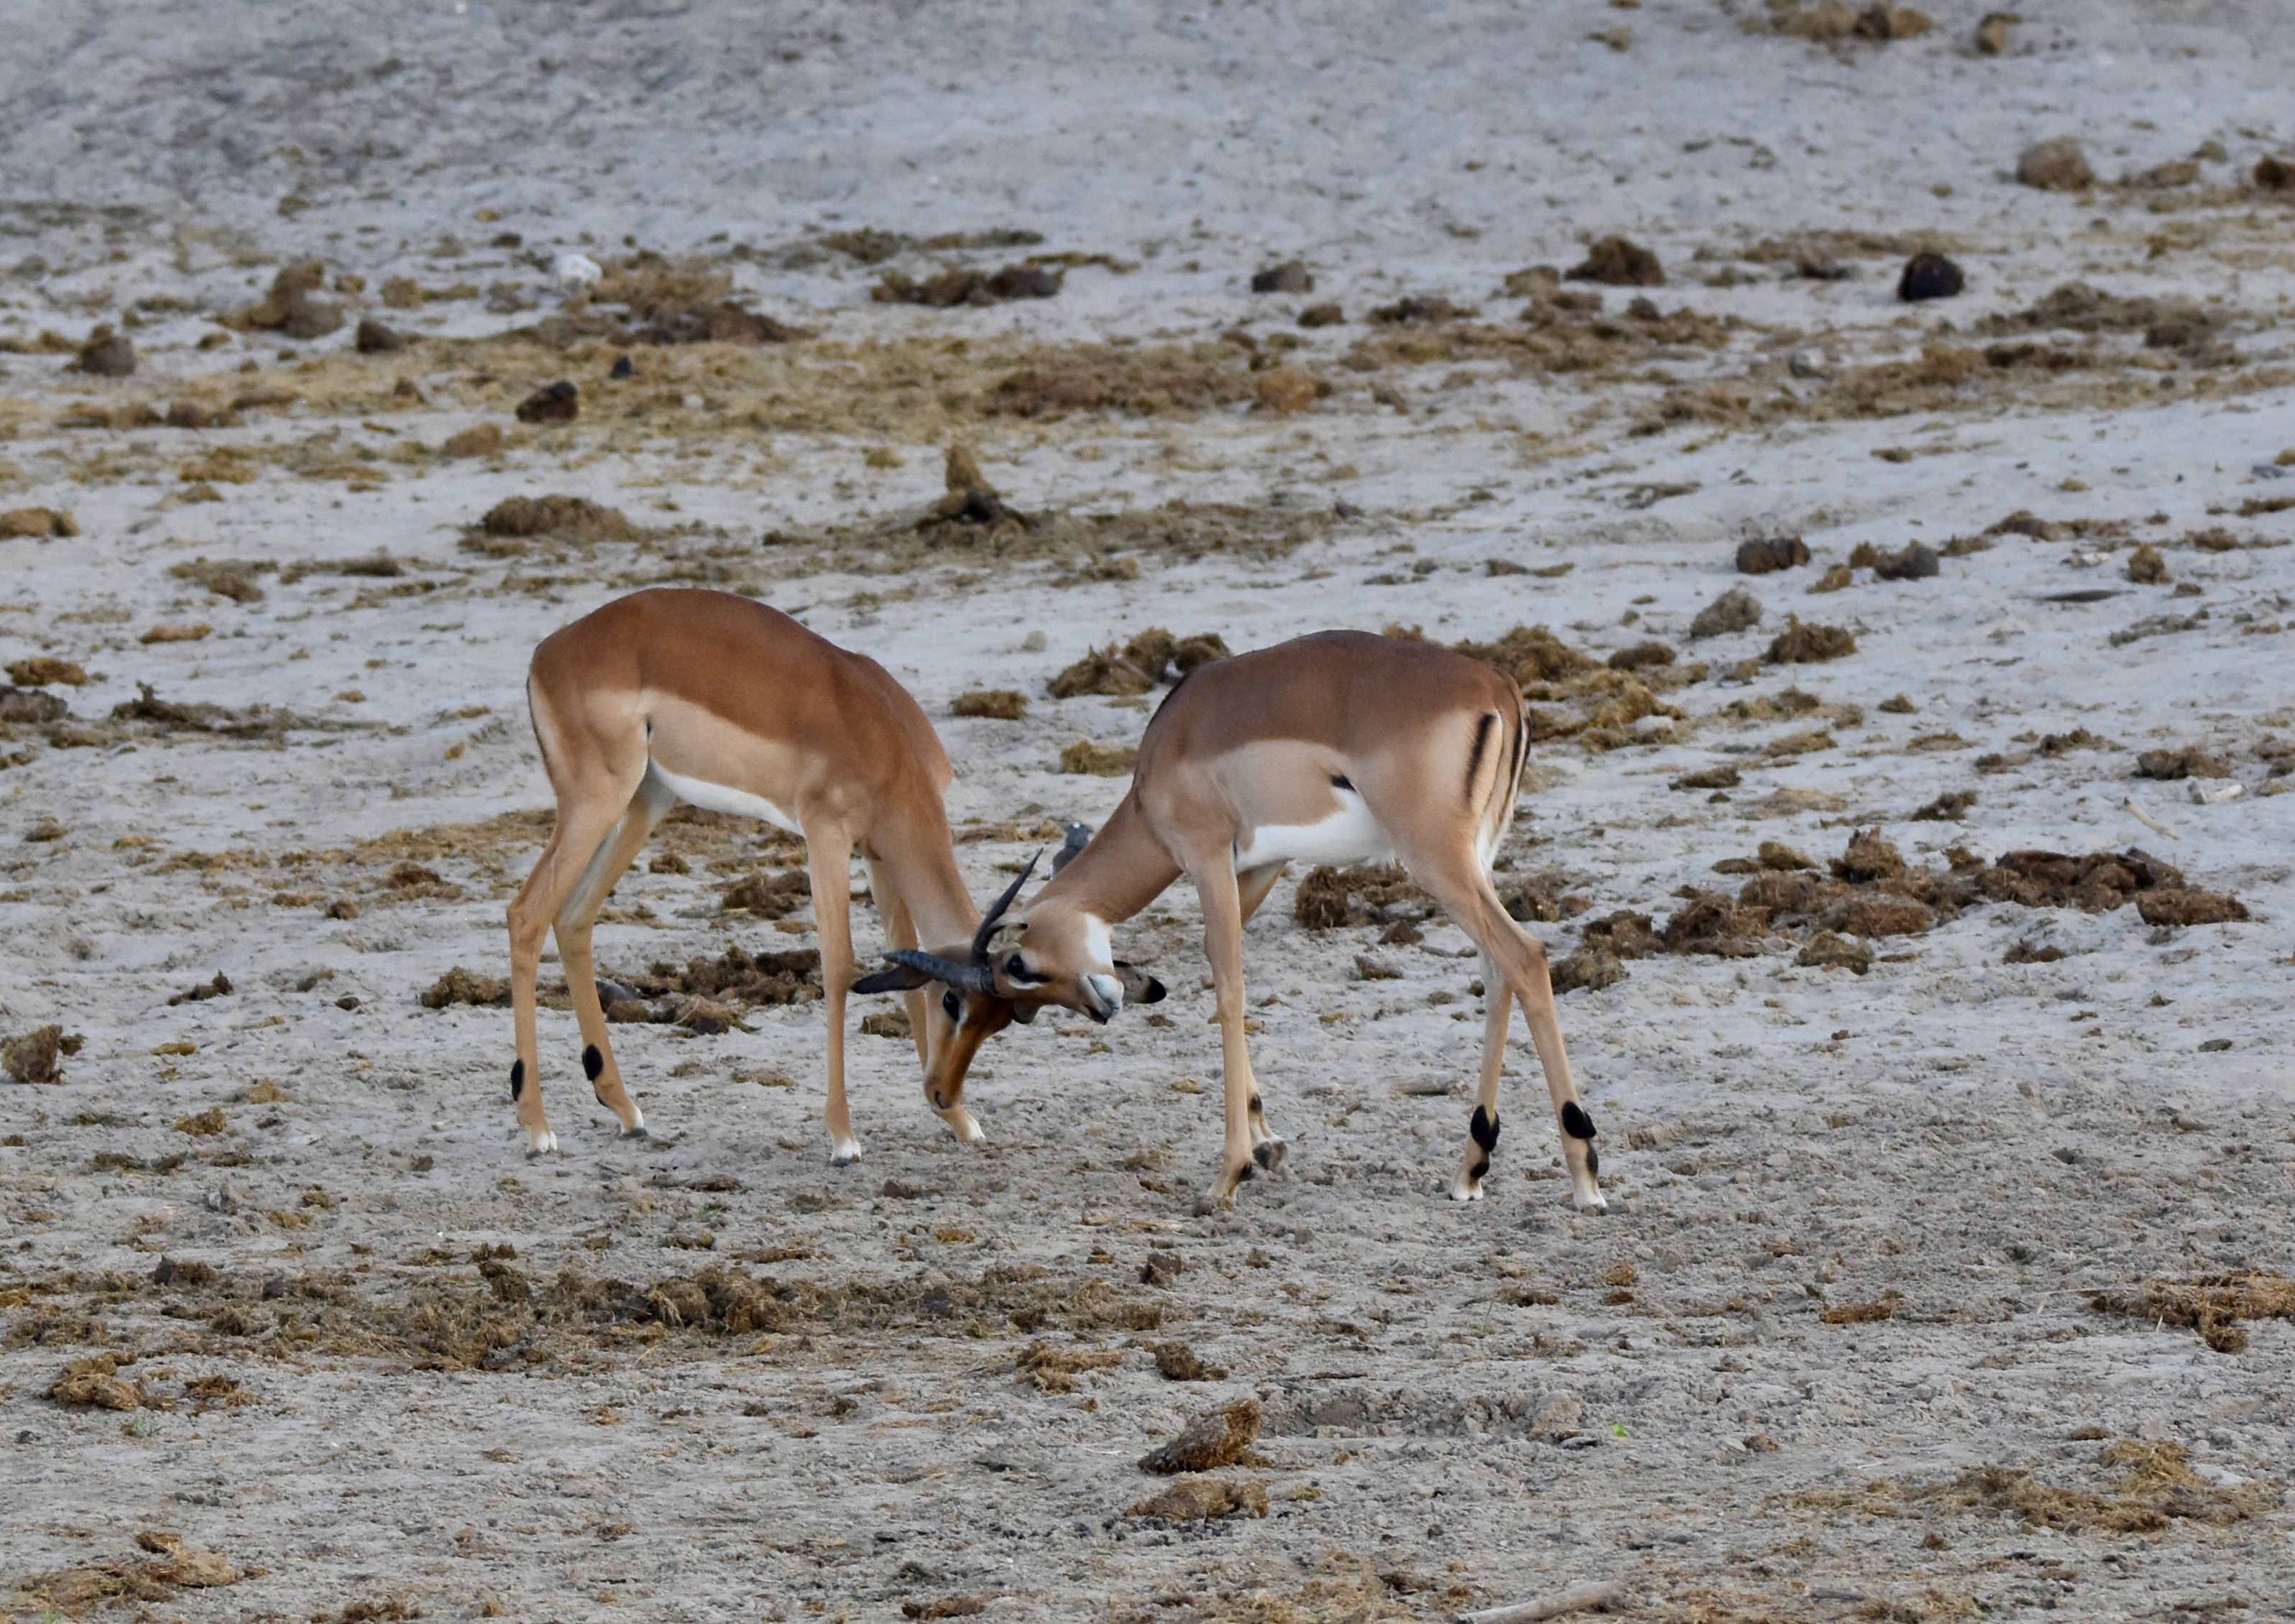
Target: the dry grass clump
pixel 1211 1439
pixel 998 704
pixel 1149 658
pixel 770 896
pixel 75 1592
pixel 1803 643
pixel 34 1057
pixel 1561 333
pixel 1177 532
pixel 1143 382
pixel 40 523
pixel 1050 1368
pixel 2079 307
pixel 509 524
pixel 1573 695
pixel 1096 760
pixel 2158 1488
pixel 1367 894
pixel 247 722
pixel 1203 1499
pixel 2213 1305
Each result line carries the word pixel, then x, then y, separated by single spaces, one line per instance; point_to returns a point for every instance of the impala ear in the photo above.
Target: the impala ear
pixel 1139 986
pixel 895 979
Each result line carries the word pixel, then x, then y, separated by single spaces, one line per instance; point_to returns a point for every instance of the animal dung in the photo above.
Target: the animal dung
pixel 42 523
pixel 1291 276
pixel 1326 314
pixel 1760 557
pixel 1211 1439
pixel 1620 263
pixel 1928 275
pixel 479 440
pixel 1202 1499
pixel 999 704
pixel 106 354
pixel 1806 642
pixel 956 287
pixel 375 338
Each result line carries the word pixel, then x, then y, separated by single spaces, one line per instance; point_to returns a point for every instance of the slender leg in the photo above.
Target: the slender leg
pixel 1216 887
pixel 577 916
pixel 585 822
pixel 1252 887
pixel 928 1025
pixel 1483 1128
pixel 1459 883
pixel 829 860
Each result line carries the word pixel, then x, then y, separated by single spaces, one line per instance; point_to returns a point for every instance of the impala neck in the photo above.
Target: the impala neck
pixel 1124 868
pixel 918 857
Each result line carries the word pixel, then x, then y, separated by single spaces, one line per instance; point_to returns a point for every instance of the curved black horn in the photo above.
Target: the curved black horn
pixel 995 915
pixel 961 977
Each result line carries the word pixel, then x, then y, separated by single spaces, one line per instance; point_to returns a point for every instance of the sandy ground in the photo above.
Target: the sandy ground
pixel 1836 1352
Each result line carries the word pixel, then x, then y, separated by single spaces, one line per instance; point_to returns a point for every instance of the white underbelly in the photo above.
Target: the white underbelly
pixel 723 798
pixel 1348 835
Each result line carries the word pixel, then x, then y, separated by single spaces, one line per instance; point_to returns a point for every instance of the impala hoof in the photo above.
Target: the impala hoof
pixel 845 1154
pixel 540 1143
pixel 636 1130
pixel 1269 1154
pixel 1461 1190
pixel 1592 1207
pixel 1210 1205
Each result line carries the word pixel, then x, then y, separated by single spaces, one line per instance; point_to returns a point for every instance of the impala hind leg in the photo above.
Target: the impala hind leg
pixel 1519 959
pixel 828 861
pixel 584 823
pixel 1483 1126
pixel 578 917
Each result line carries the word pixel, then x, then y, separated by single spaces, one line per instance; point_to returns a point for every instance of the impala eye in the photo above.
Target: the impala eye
pixel 949 1005
pixel 1015 966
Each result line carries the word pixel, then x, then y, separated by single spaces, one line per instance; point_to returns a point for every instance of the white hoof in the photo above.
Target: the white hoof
pixel 1593 1206
pixel 966 1130
pixel 543 1144
pixel 1460 1190
pixel 844 1153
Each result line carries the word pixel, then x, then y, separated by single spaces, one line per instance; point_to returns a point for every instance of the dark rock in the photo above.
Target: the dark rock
pixel 1929 276
pixel 557 402
pixel 107 355
pixel 1621 264
pixel 1289 277
pixel 1321 315
pixel 377 338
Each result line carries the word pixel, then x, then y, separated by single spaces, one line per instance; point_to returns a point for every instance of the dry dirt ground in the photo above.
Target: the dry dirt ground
pixel 1945 1272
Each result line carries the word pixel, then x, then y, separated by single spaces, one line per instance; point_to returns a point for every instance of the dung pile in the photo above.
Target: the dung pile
pixel 2213 1305
pixel 958 286
pixel 514 521
pixel 1368 893
pixel 2157 1488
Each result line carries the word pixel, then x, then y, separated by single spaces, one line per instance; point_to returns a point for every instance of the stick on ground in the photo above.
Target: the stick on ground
pixel 1578 1598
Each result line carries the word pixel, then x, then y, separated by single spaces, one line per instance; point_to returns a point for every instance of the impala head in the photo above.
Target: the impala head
pixel 1058 955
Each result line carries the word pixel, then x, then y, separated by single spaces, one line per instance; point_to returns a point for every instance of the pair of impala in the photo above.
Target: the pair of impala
pixel 1337 747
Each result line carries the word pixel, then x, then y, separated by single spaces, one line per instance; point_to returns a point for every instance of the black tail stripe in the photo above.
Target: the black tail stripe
pixel 1482 741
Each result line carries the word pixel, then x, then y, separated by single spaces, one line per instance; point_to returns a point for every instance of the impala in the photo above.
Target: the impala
pixel 728 704
pixel 1335 748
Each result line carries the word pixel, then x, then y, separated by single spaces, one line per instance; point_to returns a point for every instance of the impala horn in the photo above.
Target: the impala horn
pixel 977 976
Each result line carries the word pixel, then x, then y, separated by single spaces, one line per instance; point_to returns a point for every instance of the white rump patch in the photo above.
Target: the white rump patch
pixel 1349 834
pixel 722 798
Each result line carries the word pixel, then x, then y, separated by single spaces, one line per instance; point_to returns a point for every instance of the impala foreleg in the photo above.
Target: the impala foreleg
pixel 1244 1150
pixel 829 860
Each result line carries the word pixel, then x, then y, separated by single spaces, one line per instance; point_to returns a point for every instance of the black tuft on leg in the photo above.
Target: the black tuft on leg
pixel 1482 1166
pixel 517 1079
pixel 592 1062
pixel 1593 1161
pixel 1485 1129
pixel 1575 1122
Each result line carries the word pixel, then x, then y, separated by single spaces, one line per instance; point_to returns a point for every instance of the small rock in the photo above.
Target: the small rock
pixel 557 402
pixel 377 338
pixel 1928 275
pixel 2059 165
pixel 1760 557
pixel 1215 1438
pixel 576 273
pixel 1321 315
pixel 1917 562
pixel 1734 610
pixel 107 355
pixel 1289 277
pixel 1621 264
pixel 2274 174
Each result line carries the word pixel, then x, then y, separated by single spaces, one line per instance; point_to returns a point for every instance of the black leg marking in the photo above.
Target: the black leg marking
pixel 1255 1109
pixel 592 1062
pixel 1484 1128
pixel 517 1079
pixel 1593 1161
pixel 1263 1152
pixel 1575 1122
pixel 1475 1173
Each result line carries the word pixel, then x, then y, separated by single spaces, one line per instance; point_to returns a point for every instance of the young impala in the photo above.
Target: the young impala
pixel 1335 748
pixel 707 698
